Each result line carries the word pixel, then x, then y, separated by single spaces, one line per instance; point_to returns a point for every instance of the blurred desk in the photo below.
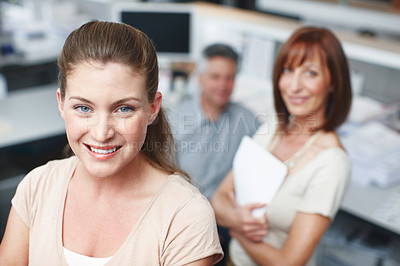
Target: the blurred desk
pixel 375 205
pixel 31 133
pixel 30 114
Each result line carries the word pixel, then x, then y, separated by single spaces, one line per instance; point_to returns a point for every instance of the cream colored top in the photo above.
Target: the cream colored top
pixel 177 227
pixel 317 188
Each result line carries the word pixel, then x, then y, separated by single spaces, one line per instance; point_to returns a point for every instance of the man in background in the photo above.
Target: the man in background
pixel 208 127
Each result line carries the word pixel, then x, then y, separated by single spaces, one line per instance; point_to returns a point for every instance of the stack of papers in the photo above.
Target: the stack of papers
pixel 389 209
pixel 257 175
pixel 365 109
pixel 375 153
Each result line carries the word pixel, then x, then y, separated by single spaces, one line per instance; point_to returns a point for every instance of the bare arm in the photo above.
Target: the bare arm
pixel 306 231
pixel 234 217
pixel 14 248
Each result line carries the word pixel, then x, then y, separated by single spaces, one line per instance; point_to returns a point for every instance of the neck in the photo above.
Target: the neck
pixel 305 125
pixel 133 175
pixel 211 111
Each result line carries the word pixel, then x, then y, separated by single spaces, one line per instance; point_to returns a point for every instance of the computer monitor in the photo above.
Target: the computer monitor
pixel 169 25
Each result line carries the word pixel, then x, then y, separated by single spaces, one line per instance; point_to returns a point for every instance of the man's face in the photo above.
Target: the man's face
pixel 217 81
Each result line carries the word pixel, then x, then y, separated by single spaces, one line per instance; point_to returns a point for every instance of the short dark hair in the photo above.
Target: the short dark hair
pixel 302 45
pixel 217 49
pixel 220 49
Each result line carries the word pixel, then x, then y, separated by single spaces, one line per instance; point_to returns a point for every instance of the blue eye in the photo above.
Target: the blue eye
pixel 311 73
pixel 125 109
pixel 83 109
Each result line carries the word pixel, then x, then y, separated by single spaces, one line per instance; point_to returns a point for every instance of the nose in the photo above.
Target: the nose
pixel 103 129
pixel 295 84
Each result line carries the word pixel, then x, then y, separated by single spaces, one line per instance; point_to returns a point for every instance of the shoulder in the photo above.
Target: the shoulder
pixel 238 108
pixel 330 150
pixel 183 188
pixel 332 166
pixel 191 233
pixel 266 130
pixel 45 175
pixel 334 157
pixel 269 126
pixel 180 194
pixel 55 166
pixel 328 179
pixel 329 140
pixel 40 185
pixel 243 117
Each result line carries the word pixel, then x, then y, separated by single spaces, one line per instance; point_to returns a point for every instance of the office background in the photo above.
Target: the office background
pixel 366 231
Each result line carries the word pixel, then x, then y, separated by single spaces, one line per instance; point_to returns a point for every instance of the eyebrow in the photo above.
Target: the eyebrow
pixel 116 103
pixel 313 65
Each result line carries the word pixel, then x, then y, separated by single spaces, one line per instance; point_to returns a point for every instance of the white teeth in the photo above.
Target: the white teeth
pixel 102 151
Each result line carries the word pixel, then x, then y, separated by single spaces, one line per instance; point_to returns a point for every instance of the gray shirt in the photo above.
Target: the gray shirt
pixel 205 149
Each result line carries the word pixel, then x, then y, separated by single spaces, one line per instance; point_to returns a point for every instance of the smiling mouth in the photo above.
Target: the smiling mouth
pixel 103 150
pixel 298 100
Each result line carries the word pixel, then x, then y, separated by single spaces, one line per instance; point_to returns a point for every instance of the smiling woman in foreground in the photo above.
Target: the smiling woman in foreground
pixel 120 200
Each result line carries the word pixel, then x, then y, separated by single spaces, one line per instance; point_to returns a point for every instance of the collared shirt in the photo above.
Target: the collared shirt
pixel 205 149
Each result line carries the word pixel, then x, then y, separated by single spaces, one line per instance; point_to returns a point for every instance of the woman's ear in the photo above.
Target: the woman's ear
pixel 155 107
pixel 60 103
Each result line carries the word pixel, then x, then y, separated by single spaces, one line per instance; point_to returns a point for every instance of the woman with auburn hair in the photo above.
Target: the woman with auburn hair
pixel 120 199
pixel 312 96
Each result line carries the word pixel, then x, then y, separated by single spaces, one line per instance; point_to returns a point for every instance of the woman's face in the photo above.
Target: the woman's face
pixel 305 88
pixel 106 113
